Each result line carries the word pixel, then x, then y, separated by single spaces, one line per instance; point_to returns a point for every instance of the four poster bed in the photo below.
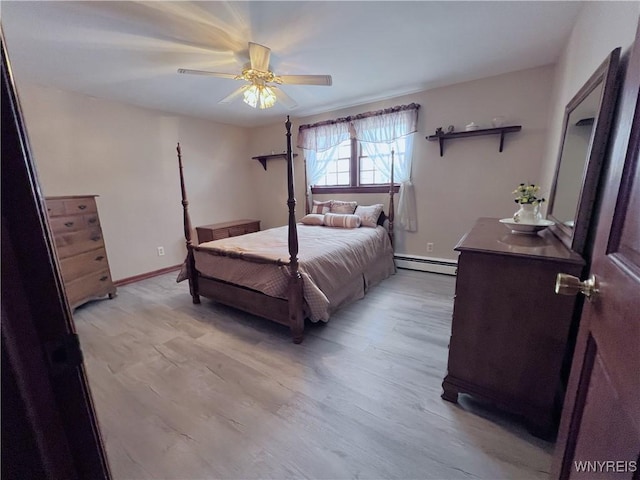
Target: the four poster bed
pixel 289 273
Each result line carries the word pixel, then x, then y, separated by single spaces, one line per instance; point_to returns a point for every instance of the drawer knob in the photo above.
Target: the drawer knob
pixel 104 278
pixel 95 238
pixel 569 285
pixel 93 220
pixel 99 258
pixel 68 224
pixel 82 207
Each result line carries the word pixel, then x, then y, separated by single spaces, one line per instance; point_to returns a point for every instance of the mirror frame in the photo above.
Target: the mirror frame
pixel 607 74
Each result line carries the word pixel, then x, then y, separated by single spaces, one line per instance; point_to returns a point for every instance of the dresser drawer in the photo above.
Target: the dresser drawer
pixel 55 207
pixel 95 285
pixel 71 223
pixel 217 231
pixel 80 205
pixel 83 264
pixel 252 227
pixel 73 243
pixel 220 233
pixel 243 229
pixel 91 220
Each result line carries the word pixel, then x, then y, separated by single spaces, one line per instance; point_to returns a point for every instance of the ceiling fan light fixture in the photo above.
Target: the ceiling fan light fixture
pixel 261 87
pixel 259 96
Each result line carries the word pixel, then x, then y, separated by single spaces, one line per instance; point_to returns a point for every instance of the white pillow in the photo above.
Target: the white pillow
pixel 369 214
pixel 313 219
pixel 341 220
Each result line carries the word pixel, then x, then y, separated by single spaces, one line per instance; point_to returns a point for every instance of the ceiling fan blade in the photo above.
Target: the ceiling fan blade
pixel 325 80
pixel 235 94
pixel 210 74
pixel 285 99
pixel 259 56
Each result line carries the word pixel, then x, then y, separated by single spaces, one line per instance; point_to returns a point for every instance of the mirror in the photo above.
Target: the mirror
pixel 587 122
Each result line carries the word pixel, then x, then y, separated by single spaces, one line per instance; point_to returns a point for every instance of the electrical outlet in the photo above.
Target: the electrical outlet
pixel 160 251
pixel 429 247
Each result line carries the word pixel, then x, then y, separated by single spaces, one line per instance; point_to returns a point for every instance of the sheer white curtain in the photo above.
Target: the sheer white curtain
pixel 380 154
pixel 324 135
pixel 317 164
pixel 380 134
pixel 320 144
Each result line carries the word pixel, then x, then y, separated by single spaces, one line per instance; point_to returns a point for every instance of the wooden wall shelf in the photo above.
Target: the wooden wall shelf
pixel 263 158
pixel 474 133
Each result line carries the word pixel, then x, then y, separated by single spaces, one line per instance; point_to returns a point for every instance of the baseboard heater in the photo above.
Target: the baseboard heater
pixel 426 264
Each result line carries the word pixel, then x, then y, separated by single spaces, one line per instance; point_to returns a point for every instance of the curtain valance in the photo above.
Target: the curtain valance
pixel 382 126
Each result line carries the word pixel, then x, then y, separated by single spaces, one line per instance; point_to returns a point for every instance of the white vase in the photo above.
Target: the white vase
pixel 528 213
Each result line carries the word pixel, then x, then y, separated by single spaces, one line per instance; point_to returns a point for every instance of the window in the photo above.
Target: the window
pixel 352 154
pixel 338 171
pixel 354 166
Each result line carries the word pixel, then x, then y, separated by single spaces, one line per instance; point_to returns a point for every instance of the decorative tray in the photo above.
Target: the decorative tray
pixel 525 228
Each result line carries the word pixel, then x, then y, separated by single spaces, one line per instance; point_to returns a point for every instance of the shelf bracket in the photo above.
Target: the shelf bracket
pixel 263 158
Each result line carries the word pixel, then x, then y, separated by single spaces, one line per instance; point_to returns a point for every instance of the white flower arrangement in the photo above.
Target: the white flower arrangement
pixel 526 194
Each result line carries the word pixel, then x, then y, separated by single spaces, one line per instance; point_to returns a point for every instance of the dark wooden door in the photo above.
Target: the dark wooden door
pixel 600 428
pixel 49 425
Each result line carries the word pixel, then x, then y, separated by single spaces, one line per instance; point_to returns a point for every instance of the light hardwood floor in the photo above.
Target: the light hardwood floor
pixel 189 391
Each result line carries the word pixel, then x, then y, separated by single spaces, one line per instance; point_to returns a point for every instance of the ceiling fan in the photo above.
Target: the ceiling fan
pixel 261 90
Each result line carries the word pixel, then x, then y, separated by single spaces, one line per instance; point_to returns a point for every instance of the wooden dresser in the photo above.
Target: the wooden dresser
pixel 216 231
pixel 510 330
pixel 80 247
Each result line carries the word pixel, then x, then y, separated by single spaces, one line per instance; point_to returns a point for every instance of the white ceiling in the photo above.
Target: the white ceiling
pixel 130 51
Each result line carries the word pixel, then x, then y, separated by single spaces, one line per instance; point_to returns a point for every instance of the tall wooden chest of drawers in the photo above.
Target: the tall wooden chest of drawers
pixel 510 332
pixel 80 247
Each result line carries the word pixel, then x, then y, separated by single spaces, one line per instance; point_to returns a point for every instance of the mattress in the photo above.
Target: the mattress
pixel 337 265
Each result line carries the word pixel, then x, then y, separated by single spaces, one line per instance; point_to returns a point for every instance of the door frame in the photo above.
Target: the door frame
pixel 51 402
pixel 623 145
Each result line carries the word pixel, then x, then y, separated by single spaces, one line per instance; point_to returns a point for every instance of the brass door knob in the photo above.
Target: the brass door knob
pixel 569 285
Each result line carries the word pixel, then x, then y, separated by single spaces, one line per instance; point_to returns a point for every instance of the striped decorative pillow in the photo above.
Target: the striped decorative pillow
pixel 321 207
pixel 338 206
pixel 341 220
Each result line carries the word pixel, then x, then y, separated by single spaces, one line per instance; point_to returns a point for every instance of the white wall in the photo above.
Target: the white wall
pixel 127 156
pixel 599 28
pixel 270 187
pixel 470 181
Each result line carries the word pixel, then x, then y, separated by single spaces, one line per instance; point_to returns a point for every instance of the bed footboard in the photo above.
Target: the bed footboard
pixel 245 299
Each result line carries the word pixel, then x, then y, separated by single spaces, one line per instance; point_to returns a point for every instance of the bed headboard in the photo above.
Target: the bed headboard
pixel 383 216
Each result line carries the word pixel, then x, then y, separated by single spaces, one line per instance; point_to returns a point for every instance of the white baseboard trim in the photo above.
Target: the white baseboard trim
pixel 426 264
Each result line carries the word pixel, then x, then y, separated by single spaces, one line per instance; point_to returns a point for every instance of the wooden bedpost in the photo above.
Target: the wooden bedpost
pixel 391 206
pixel 190 261
pixel 307 209
pixel 295 293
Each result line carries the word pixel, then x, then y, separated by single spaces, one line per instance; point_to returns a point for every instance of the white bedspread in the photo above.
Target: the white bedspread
pixel 337 264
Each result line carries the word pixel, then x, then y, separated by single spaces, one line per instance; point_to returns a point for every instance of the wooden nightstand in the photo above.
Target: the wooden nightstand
pixel 216 231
